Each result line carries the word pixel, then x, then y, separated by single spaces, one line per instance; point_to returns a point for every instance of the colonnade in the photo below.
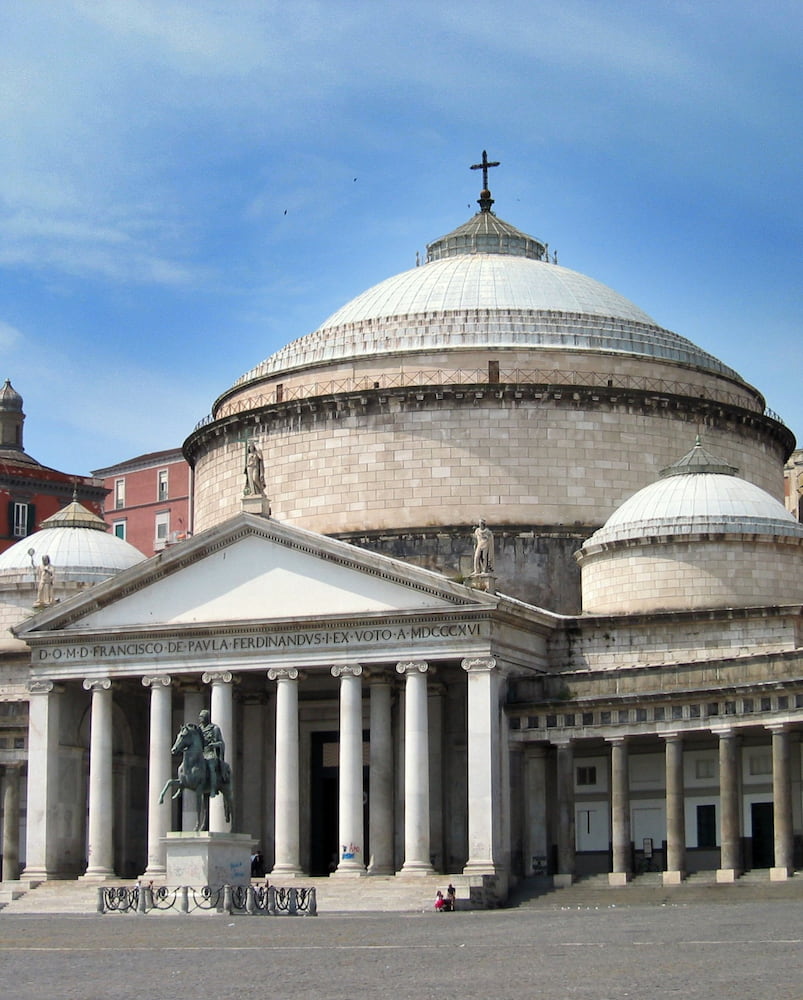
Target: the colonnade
pixel 484 768
pixel 730 794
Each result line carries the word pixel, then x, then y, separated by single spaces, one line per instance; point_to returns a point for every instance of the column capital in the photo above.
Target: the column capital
pixel 672 736
pixel 616 740
pixel 285 674
pixel 40 687
pixel 97 684
pixel 726 732
pixel 154 680
pixel 478 664
pixel 217 677
pixel 347 669
pixel 562 742
pixel 412 667
pixel 779 727
pixel 377 675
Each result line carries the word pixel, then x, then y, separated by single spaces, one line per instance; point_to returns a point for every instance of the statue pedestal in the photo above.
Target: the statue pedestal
pixel 255 504
pixel 483 581
pixel 212 859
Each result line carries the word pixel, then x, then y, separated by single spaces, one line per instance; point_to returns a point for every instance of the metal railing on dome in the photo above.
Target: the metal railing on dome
pixel 547 379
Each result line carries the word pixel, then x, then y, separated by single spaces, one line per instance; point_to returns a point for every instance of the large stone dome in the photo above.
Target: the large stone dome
pixel 487 382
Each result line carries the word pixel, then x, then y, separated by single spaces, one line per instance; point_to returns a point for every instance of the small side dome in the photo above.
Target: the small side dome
pixel 700 537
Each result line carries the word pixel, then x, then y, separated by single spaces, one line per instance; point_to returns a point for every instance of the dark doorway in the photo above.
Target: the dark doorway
pixel 761 816
pixel 324 770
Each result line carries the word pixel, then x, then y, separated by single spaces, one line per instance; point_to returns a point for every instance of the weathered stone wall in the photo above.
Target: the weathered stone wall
pixel 717 571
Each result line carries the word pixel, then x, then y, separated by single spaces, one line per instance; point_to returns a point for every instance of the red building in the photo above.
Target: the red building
pixel 29 491
pixel 148 501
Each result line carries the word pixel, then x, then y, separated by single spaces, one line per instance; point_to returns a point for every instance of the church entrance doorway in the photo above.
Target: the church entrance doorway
pixel 324 771
pixel 763 829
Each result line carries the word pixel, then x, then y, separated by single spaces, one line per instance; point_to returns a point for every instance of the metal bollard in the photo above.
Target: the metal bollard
pixel 228 905
pixel 292 905
pixel 101 904
pixel 142 900
pixel 184 899
pixel 250 901
pixel 271 901
pixel 312 906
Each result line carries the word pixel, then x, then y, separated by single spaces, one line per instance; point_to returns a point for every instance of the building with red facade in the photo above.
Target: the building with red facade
pixel 148 499
pixel 30 491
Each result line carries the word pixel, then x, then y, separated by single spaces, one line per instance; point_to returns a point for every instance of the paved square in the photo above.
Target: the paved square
pixel 748 951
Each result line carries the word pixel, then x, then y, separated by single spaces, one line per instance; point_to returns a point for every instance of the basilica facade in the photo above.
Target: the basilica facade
pixel 614 683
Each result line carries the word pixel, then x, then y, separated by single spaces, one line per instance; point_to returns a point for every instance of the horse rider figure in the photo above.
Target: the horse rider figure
pixel 214 752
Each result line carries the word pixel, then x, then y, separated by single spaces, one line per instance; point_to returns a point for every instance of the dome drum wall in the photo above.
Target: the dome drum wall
pixel 396 464
pixel 705 571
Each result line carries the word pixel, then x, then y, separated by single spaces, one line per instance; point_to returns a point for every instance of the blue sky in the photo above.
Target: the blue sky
pixel 186 186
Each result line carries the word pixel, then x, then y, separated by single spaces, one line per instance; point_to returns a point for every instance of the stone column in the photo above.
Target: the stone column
pixel 567 848
pixel 730 866
pixel 675 810
pixel 620 813
pixel 42 851
pixel 287 811
pixel 485 799
pixel 193 703
pixel 11 823
pixel 221 711
pixel 159 771
pixel 781 803
pixel 350 832
pixel 380 778
pixel 416 769
pixel 100 846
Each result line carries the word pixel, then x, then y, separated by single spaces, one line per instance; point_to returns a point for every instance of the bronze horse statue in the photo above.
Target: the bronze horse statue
pixel 193 775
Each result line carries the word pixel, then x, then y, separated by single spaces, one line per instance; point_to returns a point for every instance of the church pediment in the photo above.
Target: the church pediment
pixel 253 568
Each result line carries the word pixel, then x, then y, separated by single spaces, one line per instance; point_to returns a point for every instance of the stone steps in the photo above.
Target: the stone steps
pixel 399 894
pixel 594 891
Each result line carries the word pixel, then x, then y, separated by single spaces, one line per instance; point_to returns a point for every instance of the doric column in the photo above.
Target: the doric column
pixel 781 802
pixel 193 703
pixel 11 823
pixel 159 770
pixel 416 769
pixel 380 778
pixel 42 851
pixel 730 865
pixel 566 836
pixel 620 812
pixel 675 810
pixel 221 711
pixel 100 846
pixel 485 799
pixel 287 811
pixel 351 835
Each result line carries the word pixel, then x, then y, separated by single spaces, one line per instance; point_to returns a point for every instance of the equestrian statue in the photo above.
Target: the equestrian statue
pixel 203 768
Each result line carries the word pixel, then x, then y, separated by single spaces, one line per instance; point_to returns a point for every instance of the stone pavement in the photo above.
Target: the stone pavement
pixel 749 951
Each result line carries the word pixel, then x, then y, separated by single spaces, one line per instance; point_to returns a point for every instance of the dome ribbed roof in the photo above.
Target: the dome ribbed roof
pixel 487 300
pixel 79 546
pixel 692 499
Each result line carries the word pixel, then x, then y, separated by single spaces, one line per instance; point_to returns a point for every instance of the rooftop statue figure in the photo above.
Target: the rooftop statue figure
pixel 483 549
pixel 254 471
pixel 44 583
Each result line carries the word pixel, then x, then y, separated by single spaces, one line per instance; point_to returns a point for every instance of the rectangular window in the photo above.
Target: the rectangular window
pixel 760 763
pixel 119 493
pixel 119 529
pixel 706 826
pixel 20 520
pixel 161 529
pixel 704 768
pixel 161 488
pixel 587 775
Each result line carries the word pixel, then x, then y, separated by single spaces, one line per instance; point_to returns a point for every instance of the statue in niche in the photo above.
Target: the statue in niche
pixel 483 549
pixel 44 583
pixel 254 471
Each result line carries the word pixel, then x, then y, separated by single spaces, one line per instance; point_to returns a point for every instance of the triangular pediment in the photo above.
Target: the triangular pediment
pixel 253 568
